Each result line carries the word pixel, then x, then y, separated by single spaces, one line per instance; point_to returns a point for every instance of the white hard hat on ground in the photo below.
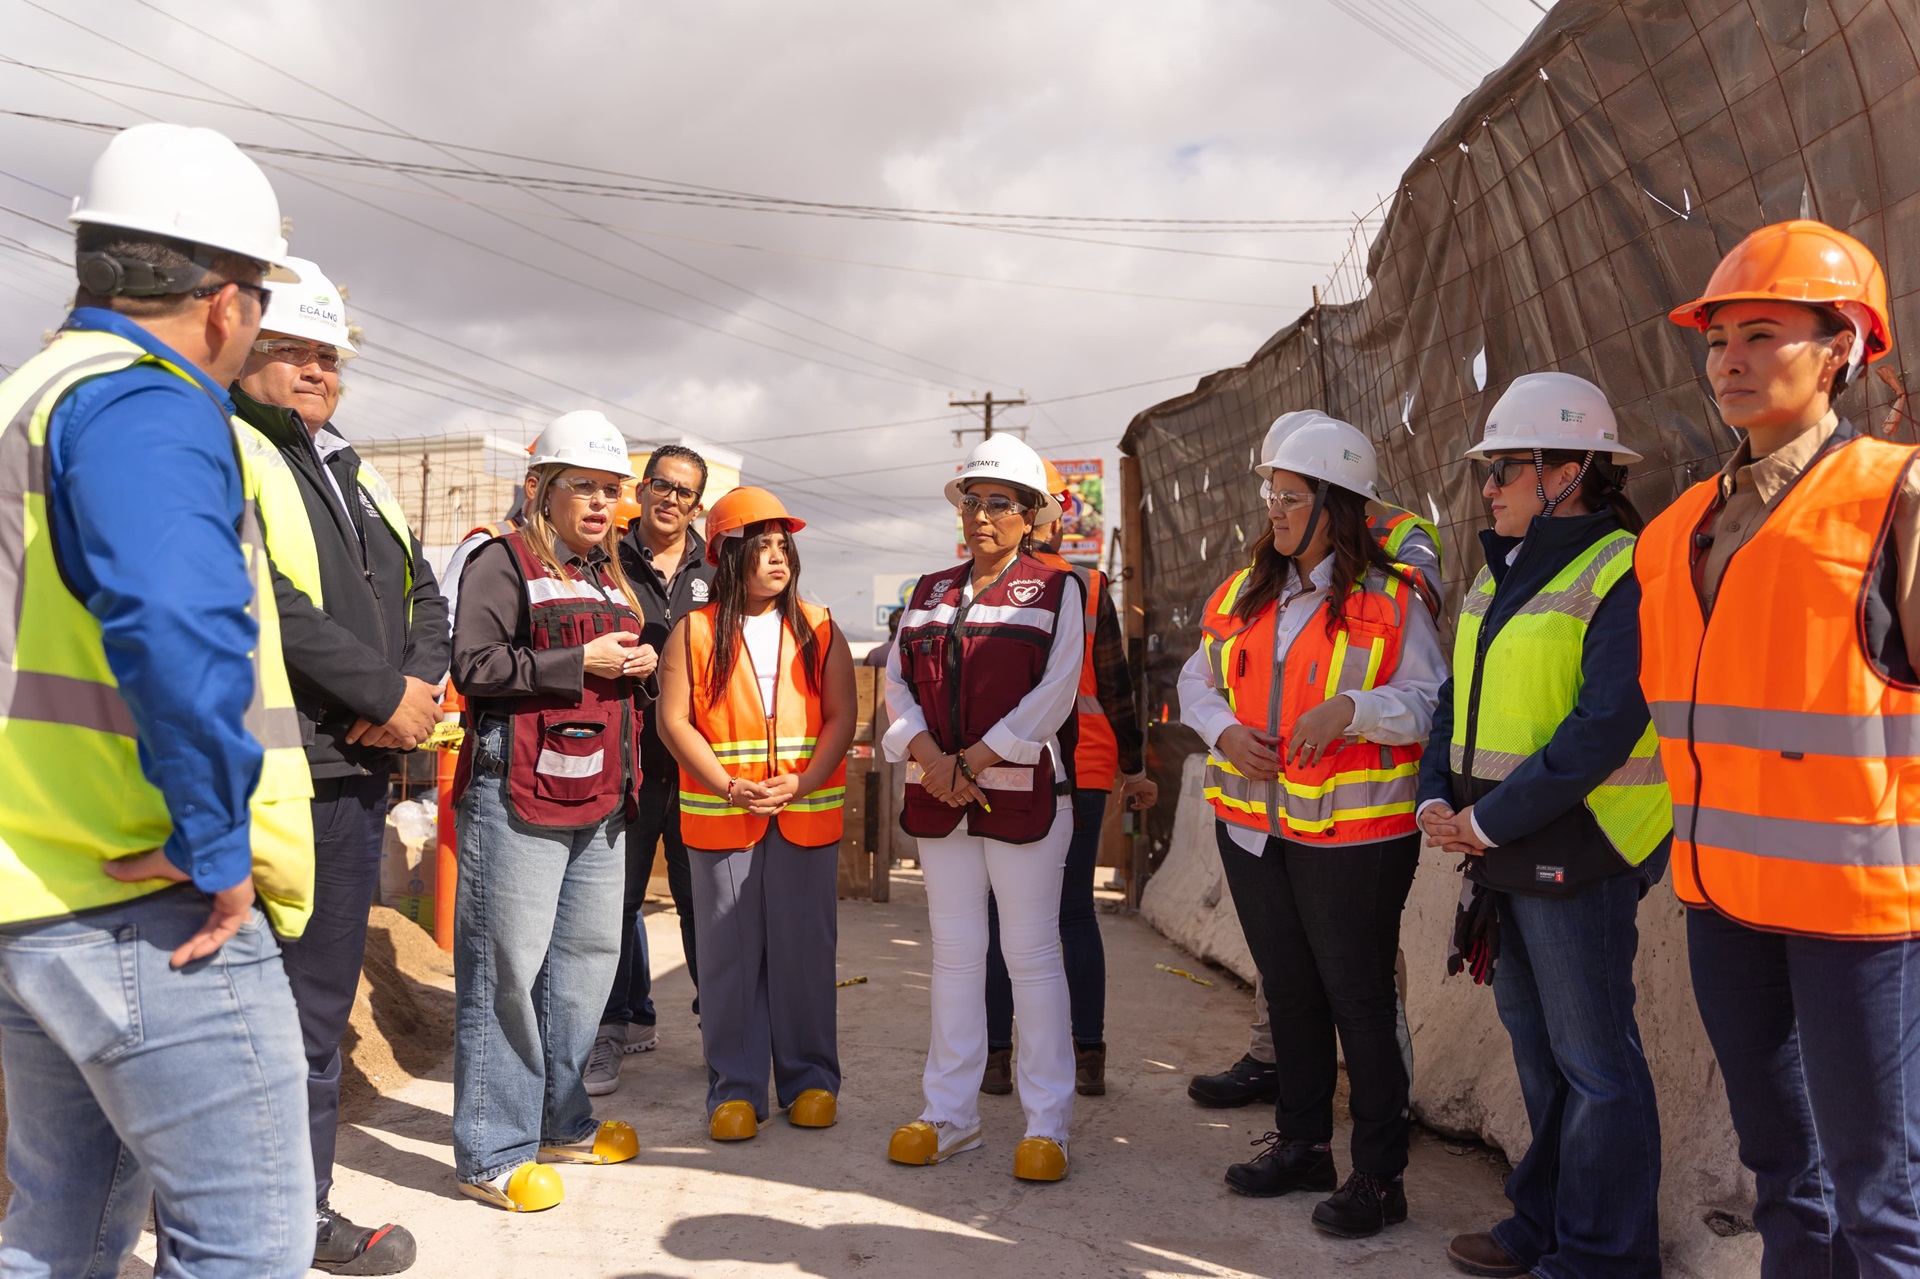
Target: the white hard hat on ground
pixel 1007 459
pixel 583 438
pixel 1283 426
pixel 1326 449
pixel 190 184
pixel 310 308
pixel 1553 411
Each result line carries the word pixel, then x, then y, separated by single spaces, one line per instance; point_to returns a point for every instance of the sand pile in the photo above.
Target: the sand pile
pixel 402 1025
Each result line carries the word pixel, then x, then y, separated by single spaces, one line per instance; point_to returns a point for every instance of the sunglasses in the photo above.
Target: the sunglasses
pixel 1501 470
pixel 667 490
pixel 301 353
pixel 259 291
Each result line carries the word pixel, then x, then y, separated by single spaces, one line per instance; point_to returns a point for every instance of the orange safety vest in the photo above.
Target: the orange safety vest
pixel 1361 792
pixel 1794 760
pixel 1096 753
pixel 753 745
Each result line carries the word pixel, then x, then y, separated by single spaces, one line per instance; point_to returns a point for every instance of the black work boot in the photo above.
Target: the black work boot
pixel 1364 1206
pixel 1284 1167
pixel 1090 1069
pixel 1243 1082
pixel 342 1248
pixel 997 1079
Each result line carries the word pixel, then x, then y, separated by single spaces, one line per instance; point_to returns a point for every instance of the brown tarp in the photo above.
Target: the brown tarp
pixel 1581 191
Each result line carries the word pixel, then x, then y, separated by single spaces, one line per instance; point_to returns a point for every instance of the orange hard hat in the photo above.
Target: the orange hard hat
pixel 626 510
pixel 1799 261
pixel 740 509
pixel 1056 482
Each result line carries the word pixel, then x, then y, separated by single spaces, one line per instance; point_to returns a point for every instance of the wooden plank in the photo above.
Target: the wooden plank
pixel 856 862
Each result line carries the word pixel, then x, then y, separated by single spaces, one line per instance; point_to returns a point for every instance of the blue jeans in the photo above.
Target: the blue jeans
pixel 129 1081
pixel 1080 945
pixel 1819 1044
pixel 1586 1195
pixel 536 935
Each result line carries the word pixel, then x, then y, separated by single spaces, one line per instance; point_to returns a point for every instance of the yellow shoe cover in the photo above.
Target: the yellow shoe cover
pixel 733 1121
pixel 923 1143
pixel 814 1108
pixel 529 1188
pixel 1039 1159
pixel 614 1143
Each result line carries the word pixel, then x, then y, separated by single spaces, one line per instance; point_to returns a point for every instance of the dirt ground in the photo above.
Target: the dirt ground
pixel 1145 1197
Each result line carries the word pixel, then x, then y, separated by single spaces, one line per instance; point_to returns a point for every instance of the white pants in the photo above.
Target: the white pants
pixel 1025 879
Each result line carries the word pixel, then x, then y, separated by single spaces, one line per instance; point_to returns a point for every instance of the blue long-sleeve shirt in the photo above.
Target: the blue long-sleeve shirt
pixel 145 504
pixel 1609 715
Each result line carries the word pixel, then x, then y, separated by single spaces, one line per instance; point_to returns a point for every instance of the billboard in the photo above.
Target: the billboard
pixel 1084 511
pixel 890 591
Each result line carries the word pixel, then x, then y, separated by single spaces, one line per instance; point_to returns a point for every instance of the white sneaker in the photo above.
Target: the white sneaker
pixel 602 1074
pixel 642 1039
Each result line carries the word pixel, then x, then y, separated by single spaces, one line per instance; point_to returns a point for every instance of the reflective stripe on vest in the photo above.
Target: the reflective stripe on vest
pixel 275 489
pixel 1529 681
pixel 754 745
pixel 1362 791
pixel 1394 527
pixel 75 794
pixel 1794 760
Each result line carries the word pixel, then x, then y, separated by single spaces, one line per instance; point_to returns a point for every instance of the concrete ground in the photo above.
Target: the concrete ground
pixel 1145 1197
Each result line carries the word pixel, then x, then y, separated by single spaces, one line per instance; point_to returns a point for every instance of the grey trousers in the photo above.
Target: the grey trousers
pixel 766 929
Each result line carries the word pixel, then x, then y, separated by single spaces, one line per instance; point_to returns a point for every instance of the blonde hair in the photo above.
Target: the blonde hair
pixel 538 530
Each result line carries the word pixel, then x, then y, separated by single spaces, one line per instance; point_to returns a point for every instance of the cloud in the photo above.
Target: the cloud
pixel 1188 108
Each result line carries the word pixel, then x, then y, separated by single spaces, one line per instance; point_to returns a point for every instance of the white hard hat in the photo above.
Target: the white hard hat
pixel 1283 426
pixel 190 184
pixel 583 438
pixel 1007 459
pixel 1324 448
pixel 310 308
pixel 1553 411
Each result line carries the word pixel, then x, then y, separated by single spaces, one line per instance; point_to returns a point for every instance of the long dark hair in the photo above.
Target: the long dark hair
pixel 737 556
pixel 1355 552
pixel 1603 489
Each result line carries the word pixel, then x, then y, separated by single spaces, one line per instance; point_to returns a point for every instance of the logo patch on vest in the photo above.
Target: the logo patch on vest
pixel 699 590
pixel 1025 592
pixel 940 588
pixel 1550 874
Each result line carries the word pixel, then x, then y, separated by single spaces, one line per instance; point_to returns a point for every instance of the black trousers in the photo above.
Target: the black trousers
pixel 1323 924
pixel 323 967
pixel 632 996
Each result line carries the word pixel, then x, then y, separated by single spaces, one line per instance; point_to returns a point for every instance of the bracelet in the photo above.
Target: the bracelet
pixel 960 758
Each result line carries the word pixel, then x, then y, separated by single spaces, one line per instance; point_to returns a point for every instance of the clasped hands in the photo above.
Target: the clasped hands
pixel 942 776
pixel 1316 734
pixel 1452 832
pixel 763 799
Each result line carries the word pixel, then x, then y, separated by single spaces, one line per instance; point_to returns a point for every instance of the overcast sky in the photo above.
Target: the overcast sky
pixel 760 329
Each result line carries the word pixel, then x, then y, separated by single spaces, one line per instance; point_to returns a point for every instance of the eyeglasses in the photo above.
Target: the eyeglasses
pixel 665 489
pixel 997 508
pixel 259 291
pixel 291 351
pixel 581 486
pixel 1285 500
pixel 1501 470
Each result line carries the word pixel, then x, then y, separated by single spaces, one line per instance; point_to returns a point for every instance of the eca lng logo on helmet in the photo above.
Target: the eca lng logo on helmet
pixel 1025 592
pixel 583 438
pixel 309 308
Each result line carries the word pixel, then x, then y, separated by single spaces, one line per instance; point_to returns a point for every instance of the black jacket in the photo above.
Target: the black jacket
pixel 664 603
pixel 348 661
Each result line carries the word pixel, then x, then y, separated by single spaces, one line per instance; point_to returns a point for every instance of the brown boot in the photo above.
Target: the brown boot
pixel 1478 1254
pixel 1090 1070
pixel 997 1079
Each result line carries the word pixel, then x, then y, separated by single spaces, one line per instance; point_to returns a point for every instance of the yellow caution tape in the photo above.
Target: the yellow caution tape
pixel 1181 972
pixel 446 735
pixel 852 981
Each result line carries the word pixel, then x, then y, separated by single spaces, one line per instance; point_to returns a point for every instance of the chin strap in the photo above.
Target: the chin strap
pixel 1313 521
pixel 1540 480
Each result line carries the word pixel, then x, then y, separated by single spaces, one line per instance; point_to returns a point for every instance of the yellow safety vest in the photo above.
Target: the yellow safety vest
pixel 74 794
pixel 275 490
pixel 1528 681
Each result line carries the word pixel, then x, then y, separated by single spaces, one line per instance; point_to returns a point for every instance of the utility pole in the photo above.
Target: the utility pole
pixel 988 404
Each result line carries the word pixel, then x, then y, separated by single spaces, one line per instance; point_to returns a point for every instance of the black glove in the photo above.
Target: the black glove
pixel 1475 944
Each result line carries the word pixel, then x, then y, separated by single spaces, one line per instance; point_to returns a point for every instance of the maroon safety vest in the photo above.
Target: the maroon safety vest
pixel 570 762
pixel 968 666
